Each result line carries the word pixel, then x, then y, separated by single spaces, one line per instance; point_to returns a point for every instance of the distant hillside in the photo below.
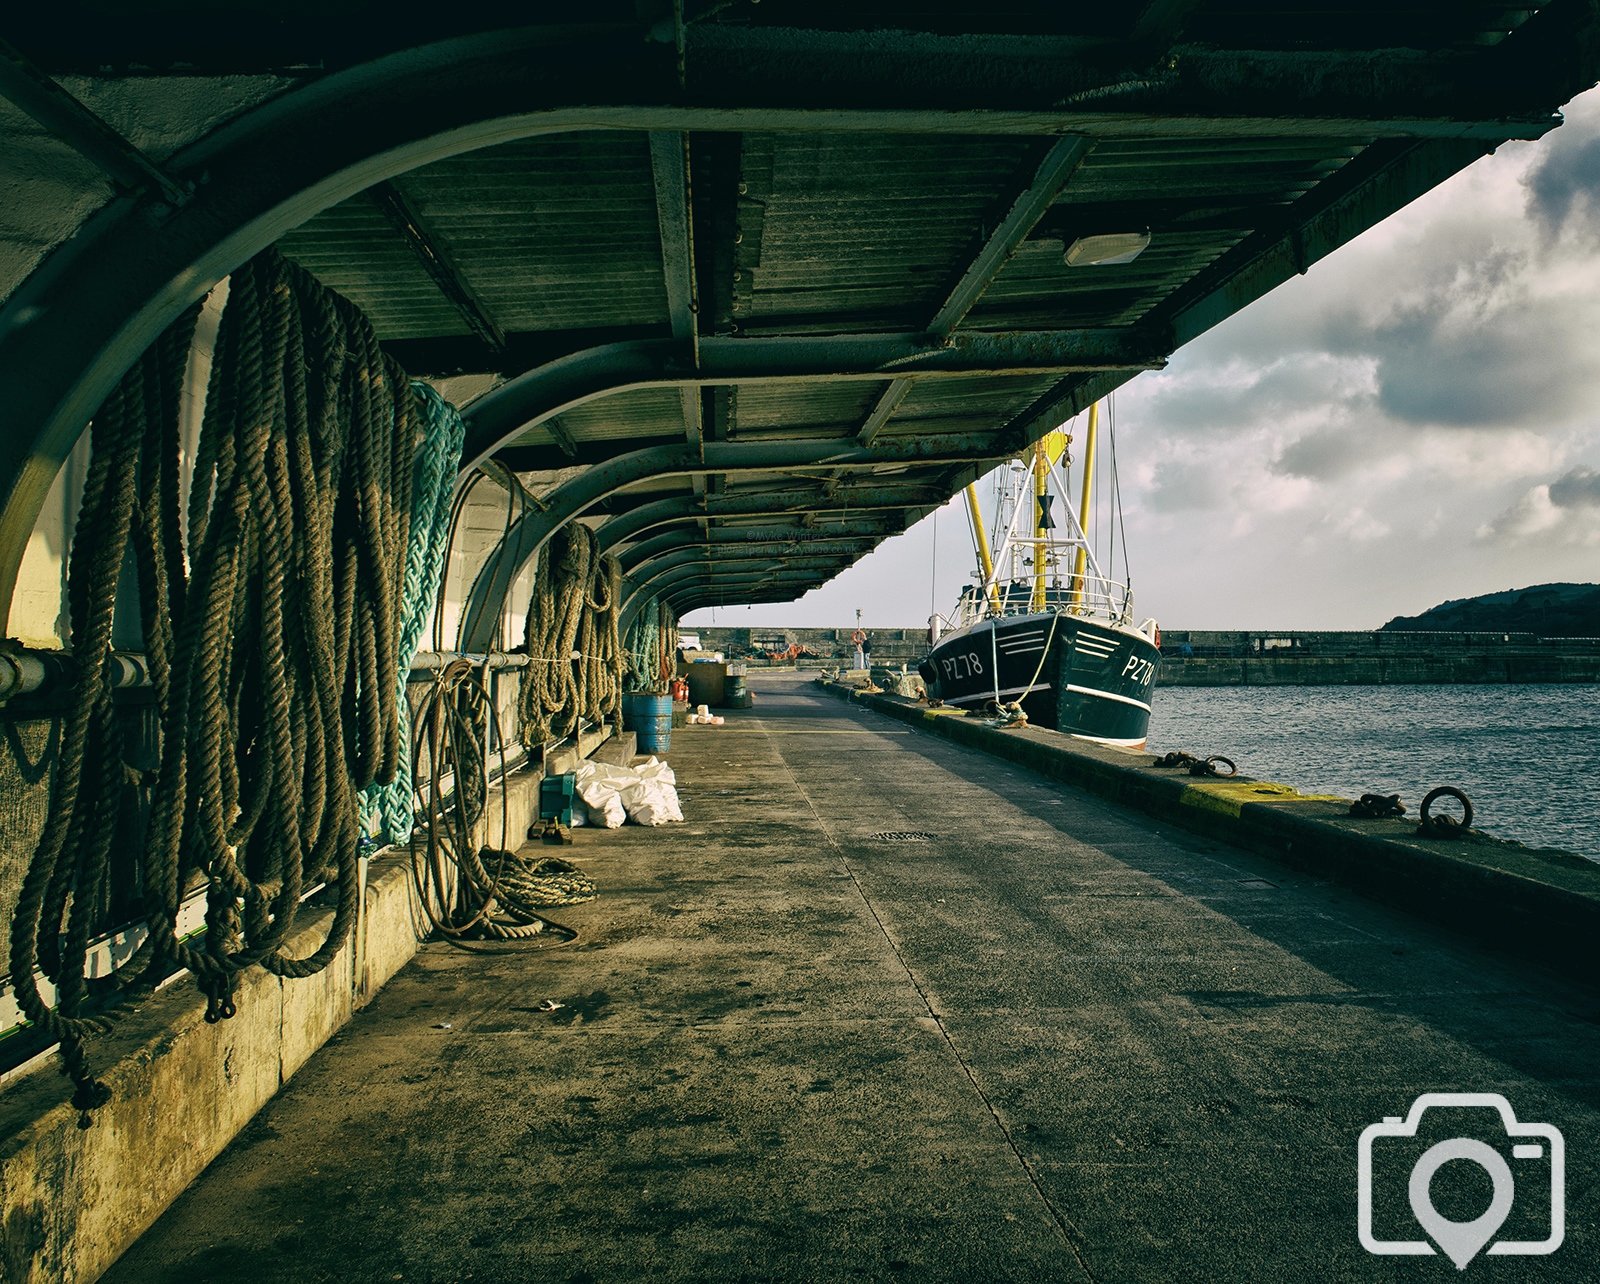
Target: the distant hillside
pixel 1550 610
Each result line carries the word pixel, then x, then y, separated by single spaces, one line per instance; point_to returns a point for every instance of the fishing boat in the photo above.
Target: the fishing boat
pixel 1044 634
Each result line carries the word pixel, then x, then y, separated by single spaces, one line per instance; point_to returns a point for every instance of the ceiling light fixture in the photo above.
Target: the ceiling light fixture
pixel 1108 248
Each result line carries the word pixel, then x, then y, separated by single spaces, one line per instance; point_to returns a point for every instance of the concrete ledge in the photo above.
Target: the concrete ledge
pixel 72 1200
pixel 1534 903
pixel 566 758
pixel 619 751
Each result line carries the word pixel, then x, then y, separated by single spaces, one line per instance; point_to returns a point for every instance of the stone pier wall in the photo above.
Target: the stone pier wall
pixel 1241 658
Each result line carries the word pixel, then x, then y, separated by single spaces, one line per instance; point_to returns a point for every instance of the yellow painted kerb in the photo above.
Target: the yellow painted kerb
pixel 1229 796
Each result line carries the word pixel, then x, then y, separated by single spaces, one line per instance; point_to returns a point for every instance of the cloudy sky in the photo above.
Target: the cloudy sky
pixel 1416 419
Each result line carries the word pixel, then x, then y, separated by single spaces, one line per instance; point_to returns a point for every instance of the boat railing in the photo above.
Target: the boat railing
pixel 1104 598
pixel 1100 598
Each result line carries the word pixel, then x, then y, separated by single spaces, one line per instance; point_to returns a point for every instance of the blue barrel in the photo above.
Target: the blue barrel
pixel 649 717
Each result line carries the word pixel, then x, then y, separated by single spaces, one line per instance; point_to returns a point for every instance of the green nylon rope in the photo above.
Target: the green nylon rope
pixel 386 810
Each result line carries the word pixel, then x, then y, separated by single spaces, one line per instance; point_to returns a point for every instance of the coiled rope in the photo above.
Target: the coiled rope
pixel 272 622
pixel 575 675
pixel 464 890
pixel 652 646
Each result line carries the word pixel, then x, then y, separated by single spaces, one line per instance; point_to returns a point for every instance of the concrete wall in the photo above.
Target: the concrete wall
pixel 887 644
pixel 1346 658
pixel 72 1200
pixel 1292 670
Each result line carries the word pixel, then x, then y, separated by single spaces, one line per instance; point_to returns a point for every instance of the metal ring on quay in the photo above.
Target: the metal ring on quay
pixel 1442 826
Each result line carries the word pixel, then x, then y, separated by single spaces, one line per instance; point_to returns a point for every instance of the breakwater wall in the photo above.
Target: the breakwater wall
pixel 1231 658
pixel 1196 658
pixel 889 645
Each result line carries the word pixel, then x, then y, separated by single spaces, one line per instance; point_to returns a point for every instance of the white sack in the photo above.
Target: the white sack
pixel 651 803
pixel 598 789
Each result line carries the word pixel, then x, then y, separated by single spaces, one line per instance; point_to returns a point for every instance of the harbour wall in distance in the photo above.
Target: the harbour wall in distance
pixel 1226 658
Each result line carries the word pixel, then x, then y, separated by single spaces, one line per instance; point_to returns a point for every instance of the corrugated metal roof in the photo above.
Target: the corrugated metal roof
pixel 874 189
pixel 553 233
pixel 871 228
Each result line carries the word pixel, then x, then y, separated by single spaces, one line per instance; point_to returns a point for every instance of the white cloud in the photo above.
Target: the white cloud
pixel 1418 418
pixel 1565 511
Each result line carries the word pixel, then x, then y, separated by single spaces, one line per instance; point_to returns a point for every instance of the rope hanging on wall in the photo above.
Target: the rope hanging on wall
pixel 575 673
pixel 387 811
pixel 272 617
pixel 652 648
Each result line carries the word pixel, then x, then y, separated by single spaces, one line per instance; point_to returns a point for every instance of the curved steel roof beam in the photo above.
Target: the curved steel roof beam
pixel 481 616
pixel 782 588
pixel 732 540
pixel 99 301
pixel 756 576
pixel 779 554
pixel 497 418
pixel 623 526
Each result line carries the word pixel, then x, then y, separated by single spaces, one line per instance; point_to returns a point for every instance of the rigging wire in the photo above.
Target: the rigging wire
pixel 1116 485
pixel 1111 442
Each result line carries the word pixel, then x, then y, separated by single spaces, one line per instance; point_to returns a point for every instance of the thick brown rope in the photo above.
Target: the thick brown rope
pixel 574 608
pixel 271 614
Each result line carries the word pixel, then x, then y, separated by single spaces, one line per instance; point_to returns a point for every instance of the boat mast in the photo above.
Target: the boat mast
pixel 985 560
pixel 1080 564
pixel 1040 479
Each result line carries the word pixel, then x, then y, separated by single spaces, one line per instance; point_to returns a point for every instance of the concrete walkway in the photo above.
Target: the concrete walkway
pixel 1046 1040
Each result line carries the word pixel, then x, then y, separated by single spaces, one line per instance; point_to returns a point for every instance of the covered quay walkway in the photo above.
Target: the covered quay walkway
pixel 887 1008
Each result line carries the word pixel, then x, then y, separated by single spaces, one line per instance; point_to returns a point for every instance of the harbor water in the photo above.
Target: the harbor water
pixel 1528 756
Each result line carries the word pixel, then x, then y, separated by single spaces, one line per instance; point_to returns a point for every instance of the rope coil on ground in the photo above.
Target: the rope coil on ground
pixel 466 890
pixel 1377 806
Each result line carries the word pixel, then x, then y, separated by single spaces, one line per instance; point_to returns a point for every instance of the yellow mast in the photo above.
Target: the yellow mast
pixel 1040 475
pixel 1081 563
pixel 985 559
